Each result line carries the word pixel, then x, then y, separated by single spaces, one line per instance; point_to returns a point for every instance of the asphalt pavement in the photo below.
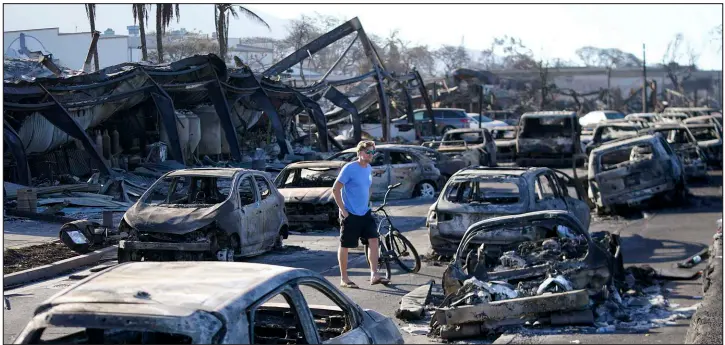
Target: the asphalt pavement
pixel 656 237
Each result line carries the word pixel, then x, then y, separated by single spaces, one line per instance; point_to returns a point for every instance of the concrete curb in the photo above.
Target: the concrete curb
pixel 55 268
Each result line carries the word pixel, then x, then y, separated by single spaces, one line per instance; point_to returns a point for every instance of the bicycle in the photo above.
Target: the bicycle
pixel 392 245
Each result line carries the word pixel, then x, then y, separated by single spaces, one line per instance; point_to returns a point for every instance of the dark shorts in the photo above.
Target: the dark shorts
pixel 356 227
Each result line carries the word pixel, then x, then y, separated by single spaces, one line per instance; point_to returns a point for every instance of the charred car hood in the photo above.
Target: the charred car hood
pixel 173 220
pixel 322 195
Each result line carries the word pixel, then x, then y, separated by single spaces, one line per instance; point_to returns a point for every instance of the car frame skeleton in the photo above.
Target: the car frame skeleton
pixel 479 300
pixel 619 181
pixel 206 303
pixel 309 204
pixel 482 151
pixel 684 144
pixel 536 189
pixel 563 145
pixel 202 223
pixel 411 167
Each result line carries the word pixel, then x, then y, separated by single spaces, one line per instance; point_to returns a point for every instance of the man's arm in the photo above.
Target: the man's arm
pixel 337 195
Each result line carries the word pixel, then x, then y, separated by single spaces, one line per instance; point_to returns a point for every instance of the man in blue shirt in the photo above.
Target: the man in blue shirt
pixel 352 192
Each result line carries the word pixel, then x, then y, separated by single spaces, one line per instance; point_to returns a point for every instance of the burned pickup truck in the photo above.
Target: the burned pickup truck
pixel 523 268
pixel 548 138
pixel 474 145
pixel 476 194
pixel 683 142
pixel 307 191
pixel 631 171
pixel 204 214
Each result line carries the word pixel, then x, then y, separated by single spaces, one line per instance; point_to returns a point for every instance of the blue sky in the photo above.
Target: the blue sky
pixel 551 31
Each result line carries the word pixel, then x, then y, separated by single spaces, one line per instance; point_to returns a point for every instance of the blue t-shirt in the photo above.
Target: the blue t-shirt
pixel 356 191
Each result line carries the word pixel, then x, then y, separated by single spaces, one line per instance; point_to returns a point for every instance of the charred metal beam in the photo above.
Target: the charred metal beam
pixel 426 100
pixel 339 99
pixel 13 142
pixel 262 100
pixel 59 117
pixel 168 117
pixel 91 51
pixel 47 61
pixel 222 110
pixel 313 47
pixel 337 62
pixel 382 96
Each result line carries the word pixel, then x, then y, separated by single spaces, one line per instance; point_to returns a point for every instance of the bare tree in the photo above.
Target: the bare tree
pixel 300 32
pixel 716 36
pixel 671 61
pixel 91 13
pixel 140 13
pixel 607 57
pixel 452 56
pixel 164 14
pixel 222 12
pixel 507 53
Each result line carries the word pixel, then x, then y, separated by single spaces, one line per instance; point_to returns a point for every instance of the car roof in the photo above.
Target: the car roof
pixel 466 130
pixel 385 147
pixel 623 142
pixel 490 171
pixel 702 117
pixel 549 113
pixel 211 172
pixel 200 285
pixel 316 164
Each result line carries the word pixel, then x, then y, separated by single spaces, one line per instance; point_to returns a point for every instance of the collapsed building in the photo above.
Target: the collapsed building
pixel 195 111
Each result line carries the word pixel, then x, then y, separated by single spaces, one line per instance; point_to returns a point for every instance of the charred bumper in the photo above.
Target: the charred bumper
pixel 636 196
pixel 165 246
pixel 299 212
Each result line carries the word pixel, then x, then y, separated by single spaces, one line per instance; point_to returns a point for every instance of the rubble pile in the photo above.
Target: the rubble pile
pixel 27 69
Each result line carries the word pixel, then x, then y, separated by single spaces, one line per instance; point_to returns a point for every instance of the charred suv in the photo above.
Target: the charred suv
pixel 548 138
pixel 475 146
pixel 307 191
pixel 685 146
pixel 202 214
pixel 634 170
pixel 476 194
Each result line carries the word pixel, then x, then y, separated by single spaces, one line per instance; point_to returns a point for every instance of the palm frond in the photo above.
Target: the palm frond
pixel 253 16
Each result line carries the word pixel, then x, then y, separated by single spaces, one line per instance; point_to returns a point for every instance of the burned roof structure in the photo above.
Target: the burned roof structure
pixel 50 113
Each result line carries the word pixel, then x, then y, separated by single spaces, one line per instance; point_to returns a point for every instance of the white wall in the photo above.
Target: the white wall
pixel 70 49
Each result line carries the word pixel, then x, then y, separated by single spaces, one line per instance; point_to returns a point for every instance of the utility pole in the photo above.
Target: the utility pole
pixel 609 87
pixel 644 80
pixel 480 105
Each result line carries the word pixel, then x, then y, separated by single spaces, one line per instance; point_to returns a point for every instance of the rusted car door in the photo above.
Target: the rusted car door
pixel 403 169
pixel 381 173
pixel 251 232
pixel 574 198
pixel 270 207
pixel 546 194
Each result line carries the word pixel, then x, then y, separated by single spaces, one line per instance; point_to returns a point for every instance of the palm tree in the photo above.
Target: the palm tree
pixel 164 14
pixel 221 17
pixel 91 13
pixel 140 14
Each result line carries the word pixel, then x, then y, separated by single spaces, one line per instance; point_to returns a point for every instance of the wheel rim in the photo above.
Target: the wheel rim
pixel 427 190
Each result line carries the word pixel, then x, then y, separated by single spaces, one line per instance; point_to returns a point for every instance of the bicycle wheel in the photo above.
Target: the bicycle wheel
pixel 405 253
pixel 383 260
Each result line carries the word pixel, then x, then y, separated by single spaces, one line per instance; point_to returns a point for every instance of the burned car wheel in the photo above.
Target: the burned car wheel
pixel 425 190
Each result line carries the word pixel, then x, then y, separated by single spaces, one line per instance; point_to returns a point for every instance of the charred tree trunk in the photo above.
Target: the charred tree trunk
pixel 142 31
pixel 159 34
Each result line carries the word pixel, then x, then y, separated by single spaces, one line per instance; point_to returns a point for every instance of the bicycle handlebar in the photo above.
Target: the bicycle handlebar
pixel 390 187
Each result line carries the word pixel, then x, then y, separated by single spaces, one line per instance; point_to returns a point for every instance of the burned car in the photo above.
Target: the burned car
pixel 524 268
pixel 709 139
pixel 705 119
pixel 683 142
pixel 476 194
pixel 475 146
pixel 446 164
pixel 505 138
pixel 205 303
pixel 608 131
pixel 548 138
pixel 202 214
pixel 307 191
pixel 391 164
pixel 630 171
